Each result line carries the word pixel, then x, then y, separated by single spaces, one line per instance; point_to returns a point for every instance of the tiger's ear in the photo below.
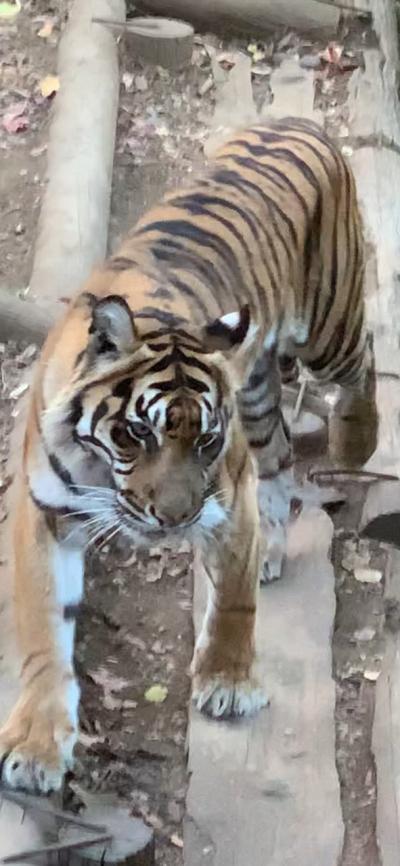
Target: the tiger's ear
pixel 230 331
pixel 112 329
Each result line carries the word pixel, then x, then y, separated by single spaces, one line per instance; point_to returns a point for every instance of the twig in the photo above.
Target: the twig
pixel 26 802
pixel 348 6
pixel 129 24
pixel 299 401
pixel 350 474
pixel 55 849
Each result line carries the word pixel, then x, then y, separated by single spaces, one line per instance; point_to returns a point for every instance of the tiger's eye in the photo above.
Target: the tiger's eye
pixel 136 428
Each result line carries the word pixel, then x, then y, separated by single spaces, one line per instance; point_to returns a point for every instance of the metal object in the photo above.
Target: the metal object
pixel 95 834
pixel 384 528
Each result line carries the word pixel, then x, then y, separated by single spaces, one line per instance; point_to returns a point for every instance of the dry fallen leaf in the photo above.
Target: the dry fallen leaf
pixel 19 390
pixel 47 29
pixel 141 83
pixel 156 694
pixel 15 119
pixel 10 10
pixel 368 575
pixel 127 81
pixel 365 634
pixel 176 840
pixel 49 85
pixel 372 676
pixel 108 681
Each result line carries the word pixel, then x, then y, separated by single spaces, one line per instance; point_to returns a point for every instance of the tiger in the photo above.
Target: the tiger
pixel 157 406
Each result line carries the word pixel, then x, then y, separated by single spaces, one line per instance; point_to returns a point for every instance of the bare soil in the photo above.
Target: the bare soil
pixel 25 59
pixel 135 630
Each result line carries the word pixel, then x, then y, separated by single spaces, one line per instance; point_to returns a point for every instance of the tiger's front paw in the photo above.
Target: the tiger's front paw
pixel 222 697
pixel 36 746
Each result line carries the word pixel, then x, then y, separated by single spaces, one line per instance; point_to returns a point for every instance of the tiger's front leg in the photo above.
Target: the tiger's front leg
pixel 269 439
pixel 37 740
pixel 224 681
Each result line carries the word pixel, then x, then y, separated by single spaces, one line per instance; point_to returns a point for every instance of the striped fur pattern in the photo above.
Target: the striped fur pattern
pixel 157 404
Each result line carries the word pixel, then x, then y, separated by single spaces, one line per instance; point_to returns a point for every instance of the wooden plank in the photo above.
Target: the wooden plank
pixel 375 126
pixel 266 791
pixel 386 731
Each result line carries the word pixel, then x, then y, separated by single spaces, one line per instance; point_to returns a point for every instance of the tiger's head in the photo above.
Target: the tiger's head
pixel 158 408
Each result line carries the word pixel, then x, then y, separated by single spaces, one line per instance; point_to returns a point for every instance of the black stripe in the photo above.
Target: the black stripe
pixel 123 388
pixel 163 293
pixel 188 291
pixel 251 219
pixel 98 414
pixel 75 411
pixel 163 316
pixel 183 228
pixel 262 443
pixel 312 254
pixel 93 441
pixel 276 177
pixel 272 138
pixel 211 452
pixel 167 250
pixel 233 178
pixel 199 203
pixel 254 419
pixel 174 384
pixel 61 471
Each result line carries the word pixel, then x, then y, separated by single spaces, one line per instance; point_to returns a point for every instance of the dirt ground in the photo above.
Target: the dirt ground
pixel 135 630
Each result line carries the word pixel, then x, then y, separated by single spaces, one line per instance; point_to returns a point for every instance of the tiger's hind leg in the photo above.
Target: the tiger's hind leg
pixel 353 425
pixel 269 438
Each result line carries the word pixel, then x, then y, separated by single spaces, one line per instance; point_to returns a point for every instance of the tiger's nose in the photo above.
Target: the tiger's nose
pixel 177 517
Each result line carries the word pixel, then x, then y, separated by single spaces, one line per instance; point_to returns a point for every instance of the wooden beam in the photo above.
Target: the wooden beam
pixel 266 790
pixel 374 124
pixel 257 16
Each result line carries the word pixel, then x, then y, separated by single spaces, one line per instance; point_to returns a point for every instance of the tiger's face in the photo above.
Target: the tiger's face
pixel 159 411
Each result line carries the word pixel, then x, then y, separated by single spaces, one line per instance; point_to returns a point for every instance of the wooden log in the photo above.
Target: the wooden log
pixel 256 16
pixel 72 232
pixel 73 226
pixel 23 319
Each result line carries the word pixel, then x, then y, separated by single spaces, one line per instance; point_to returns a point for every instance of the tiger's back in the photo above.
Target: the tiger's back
pixel 274 224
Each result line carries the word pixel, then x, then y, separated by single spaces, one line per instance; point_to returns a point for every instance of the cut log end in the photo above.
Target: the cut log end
pixel 161 41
